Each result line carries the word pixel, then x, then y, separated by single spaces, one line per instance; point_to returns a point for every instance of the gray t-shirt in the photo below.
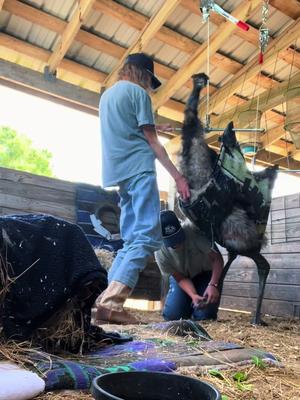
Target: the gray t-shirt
pixel 190 259
pixel 124 109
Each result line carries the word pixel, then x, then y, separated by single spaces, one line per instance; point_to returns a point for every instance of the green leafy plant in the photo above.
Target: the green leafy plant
pixel 216 373
pixel 258 362
pixel 240 377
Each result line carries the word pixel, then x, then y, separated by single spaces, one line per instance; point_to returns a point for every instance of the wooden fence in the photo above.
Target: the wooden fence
pixel 22 192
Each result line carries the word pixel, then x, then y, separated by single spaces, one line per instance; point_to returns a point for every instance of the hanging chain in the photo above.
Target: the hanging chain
pixel 263 30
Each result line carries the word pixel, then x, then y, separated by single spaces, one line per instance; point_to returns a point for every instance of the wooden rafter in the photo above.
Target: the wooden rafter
pixel 198 58
pixel 23 48
pixel 172 109
pixel 253 68
pixel 281 149
pixel 290 8
pixel 83 8
pixel 272 136
pixel 15 75
pixel 148 32
pixel 266 100
pixel 115 50
pixel 165 34
pixel 57 25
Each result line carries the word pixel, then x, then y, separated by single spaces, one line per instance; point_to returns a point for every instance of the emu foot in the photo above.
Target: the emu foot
pixel 258 321
pixel 200 80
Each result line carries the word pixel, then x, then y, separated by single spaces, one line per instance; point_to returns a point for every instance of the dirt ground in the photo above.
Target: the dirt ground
pixel 281 338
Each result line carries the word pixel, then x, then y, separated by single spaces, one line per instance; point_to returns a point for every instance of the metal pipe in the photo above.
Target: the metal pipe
pixel 234 129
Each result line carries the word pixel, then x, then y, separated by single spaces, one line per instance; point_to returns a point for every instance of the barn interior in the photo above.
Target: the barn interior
pixel 70 52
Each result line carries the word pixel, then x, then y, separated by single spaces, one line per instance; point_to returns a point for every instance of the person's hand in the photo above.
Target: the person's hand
pixel 199 301
pixel 164 127
pixel 183 187
pixel 212 294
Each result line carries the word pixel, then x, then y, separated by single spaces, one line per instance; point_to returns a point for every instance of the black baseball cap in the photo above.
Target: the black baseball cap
pixel 145 62
pixel 172 232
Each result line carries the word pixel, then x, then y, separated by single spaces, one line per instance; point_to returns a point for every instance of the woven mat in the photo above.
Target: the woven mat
pixel 193 349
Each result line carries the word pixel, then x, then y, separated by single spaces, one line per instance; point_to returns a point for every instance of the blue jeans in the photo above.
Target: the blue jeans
pixel 179 305
pixel 139 226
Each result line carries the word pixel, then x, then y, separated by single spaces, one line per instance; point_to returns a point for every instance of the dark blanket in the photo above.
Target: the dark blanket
pixel 49 261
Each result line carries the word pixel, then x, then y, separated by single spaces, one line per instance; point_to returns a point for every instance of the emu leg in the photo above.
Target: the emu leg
pixel 231 258
pixel 263 269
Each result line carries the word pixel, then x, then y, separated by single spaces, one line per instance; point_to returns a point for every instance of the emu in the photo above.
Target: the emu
pixel 228 202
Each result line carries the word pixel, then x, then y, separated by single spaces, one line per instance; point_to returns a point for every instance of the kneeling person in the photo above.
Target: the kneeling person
pixel 194 270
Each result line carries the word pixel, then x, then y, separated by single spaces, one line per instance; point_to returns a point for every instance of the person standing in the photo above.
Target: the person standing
pixel 129 148
pixel 194 269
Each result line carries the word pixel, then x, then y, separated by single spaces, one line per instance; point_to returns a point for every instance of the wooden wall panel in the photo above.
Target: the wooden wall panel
pixel 282 293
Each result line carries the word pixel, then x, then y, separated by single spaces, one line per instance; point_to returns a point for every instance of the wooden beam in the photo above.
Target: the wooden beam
pixel 148 32
pixel 291 56
pixel 272 136
pixel 83 8
pixel 267 100
pixel 290 8
pixel 138 21
pixel 172 109
pixel 59 89
pixel 165 35
pixel 253 68
pixel 198 58
pixel 21 47
pixel 281 150
pixel 268 158
pixel 55 24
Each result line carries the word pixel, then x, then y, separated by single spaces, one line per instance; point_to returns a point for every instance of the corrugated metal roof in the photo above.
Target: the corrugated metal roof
pixel 146 7
pixel 181 20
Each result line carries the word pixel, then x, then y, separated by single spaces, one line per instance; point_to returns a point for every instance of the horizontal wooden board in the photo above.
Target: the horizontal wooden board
pixel 284 216
pixel 33 179
pixel 37 206
pixel 276 261
pixel 277 308
pixel 285 202
pixel 286 276
pixel 35 192
pixel 272 291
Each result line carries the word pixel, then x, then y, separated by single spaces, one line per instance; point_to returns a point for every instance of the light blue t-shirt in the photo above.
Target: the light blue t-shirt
pixel 124 109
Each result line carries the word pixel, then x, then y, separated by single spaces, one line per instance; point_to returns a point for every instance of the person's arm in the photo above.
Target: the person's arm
pixel 188 287
pixel 163 158
pixel 212 292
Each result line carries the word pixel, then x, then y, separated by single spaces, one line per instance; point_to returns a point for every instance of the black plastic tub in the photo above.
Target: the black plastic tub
pixel 151 386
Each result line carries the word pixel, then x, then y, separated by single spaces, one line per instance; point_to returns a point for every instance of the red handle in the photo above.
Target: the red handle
pixel 260 58
pixel 243 26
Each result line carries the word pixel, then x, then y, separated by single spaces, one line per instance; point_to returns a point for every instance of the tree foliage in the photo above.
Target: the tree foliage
pixel 17 152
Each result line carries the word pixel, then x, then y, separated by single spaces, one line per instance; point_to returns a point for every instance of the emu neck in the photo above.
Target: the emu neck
pixel 193 100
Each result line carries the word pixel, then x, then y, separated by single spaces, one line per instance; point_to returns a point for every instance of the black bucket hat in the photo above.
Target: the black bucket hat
pixel 145 62
pixel 172 232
